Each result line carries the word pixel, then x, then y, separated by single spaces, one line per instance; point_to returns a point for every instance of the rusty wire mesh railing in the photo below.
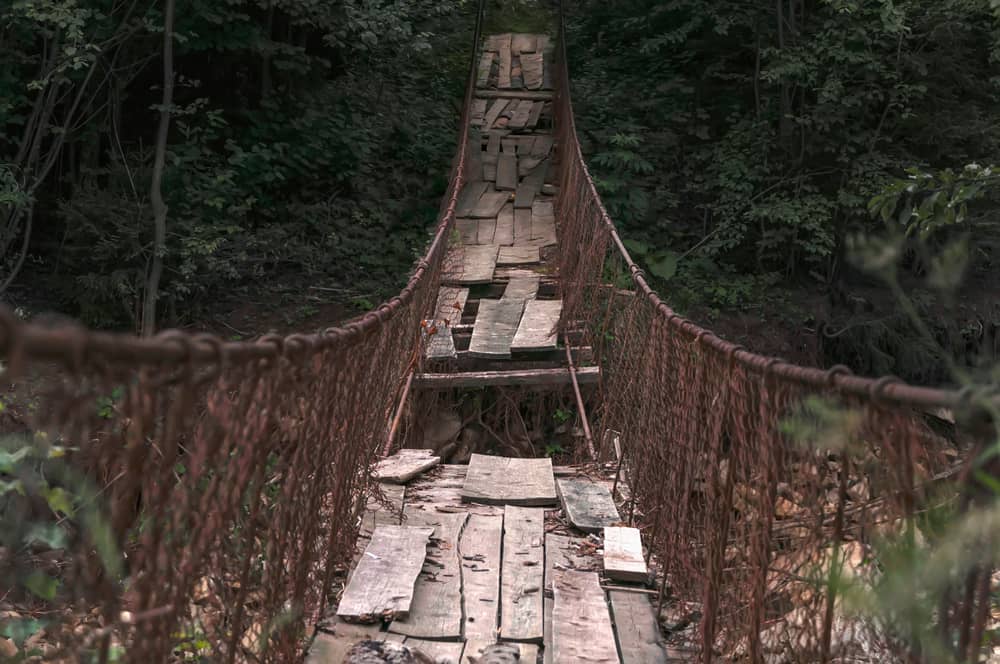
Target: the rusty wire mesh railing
pixel 216 498
pixel 747 523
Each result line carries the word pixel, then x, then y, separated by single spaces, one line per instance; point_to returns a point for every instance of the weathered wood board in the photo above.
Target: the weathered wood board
pixel 503 78
pixel 542 146
pixel 438 651
pixel 479 552
pixel 623 559
pixel 447 313
pixel 535 115
pixel 495 110
pixel 537 330
pixel 505 480
pixel 533 70
pixel 635 623
pixel 522 574
pixel 563 553
pixel 494 329
pixel 518 256
pixel 376 514
pixel 494 142
pixel 581 624
pixel 522 43
pixel 507 172
pixel 469 198
pixel 404 465
pixel 504 234
pixel 524 195
pixel 521 288
pixel 547 626
pixel 588 505
pixel 521 114
pixel 470 265
pixel 543 226
pixel 382 585
pixel 485 229
pixel 468 231
pixel 436 610
pixel 489 204
pixel 485 66
pixel 476 118
pixel 522 227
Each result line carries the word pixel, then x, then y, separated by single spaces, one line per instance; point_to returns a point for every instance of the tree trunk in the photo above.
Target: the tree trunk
pixel 148 324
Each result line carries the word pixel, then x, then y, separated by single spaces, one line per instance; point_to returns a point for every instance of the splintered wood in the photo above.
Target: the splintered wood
pixel 381 587
pixel 404 465
pixel 522 576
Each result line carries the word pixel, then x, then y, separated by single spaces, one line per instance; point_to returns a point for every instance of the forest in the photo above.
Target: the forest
pixel 298 157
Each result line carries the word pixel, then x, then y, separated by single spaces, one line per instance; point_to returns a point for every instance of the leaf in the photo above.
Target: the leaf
pixel 9 460
pixel 637 247
pixel 19 630
pixel 47 533
pixel 665 267
pixel 59 500
pixel 42 585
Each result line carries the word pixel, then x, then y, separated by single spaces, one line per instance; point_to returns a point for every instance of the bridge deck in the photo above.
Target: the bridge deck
pixel 495 571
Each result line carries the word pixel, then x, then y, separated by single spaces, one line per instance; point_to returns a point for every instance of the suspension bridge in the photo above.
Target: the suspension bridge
pixel 308 520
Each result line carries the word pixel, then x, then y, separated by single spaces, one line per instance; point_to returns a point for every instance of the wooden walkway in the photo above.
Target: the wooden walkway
pixel 501 562
pixel 499 305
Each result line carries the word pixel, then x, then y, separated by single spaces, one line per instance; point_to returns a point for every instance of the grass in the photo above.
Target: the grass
pixel 519 16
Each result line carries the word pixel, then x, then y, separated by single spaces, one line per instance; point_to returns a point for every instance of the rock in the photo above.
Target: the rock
pixel 7 648
pixel 385 652
pixel 498 653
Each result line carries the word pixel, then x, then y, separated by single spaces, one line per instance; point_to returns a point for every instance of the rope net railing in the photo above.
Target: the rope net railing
pixel 214 488
pixel 752 526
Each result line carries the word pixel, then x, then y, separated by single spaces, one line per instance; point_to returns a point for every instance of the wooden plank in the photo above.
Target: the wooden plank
pixel 542 146
pixel 547 626
pixel 515 94
pixel 467 200
pixel 522 572
pixel 404 465
pixel 521 114
pixel 379 514
pixel 494 142
pixel 447 314
pixel 478 114
pixel 504 234
pixel 485 230
pixel 485 66
pixel 507 172
pixel 469 265
pixel 521 43
pixel 522 226
pixel 508 145
pixel 524 377
pixel 495 110
pixel 581 625
pixel 521 288
pixel 503 78
pixel 508 481
pixel 588 505
pixel 543 227
pixel 535 173
pixel 635 624
pixel 623 559
pixel 436 611
pixel 533 70
pixel 518 256
pixel 524 196
pixel 494 329
pixel 563 553
pixel 468 231
pixel 489 204
pixel 382 585
pixel 535 115
pixel 479 551
pixel 537 330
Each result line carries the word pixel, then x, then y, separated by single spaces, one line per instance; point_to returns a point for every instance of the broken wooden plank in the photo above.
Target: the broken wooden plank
pixel 379 513
pixel 635 624
pixel 436 610
pixel 469 198
pixel 479 553
pixel 504 234
pixel 521 114
pixel 537 329
pixel 542 146
pixel 495 326
pixel 522 572
pixel 447 314
pixel 535 115
pixel 588 505
pixel 532 69
pixel 562 553
pixel 489 204
pixel 518 256
pixel 485 67
pixel 382 584
pixel 507 172
pixel 581 625
pixel 623 559
pixel 404 465
pixel 495 110
pixel 469 265
pixel 521 288
pixel 509 481
pixel 523 377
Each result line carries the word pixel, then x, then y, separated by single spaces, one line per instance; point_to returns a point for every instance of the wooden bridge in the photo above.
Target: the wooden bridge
pixel 503 550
